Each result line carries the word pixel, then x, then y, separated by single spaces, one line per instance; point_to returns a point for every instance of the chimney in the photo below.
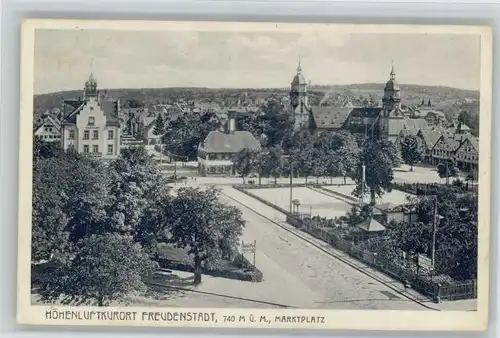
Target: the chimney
pixel 231 122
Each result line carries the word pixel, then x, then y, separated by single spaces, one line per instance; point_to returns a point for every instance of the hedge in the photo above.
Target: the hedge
pixel 240 269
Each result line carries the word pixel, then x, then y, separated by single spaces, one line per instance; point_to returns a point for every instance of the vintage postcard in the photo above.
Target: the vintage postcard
pixel 254 175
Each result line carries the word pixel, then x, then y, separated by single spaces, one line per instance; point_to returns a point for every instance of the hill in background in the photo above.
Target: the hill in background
pixel 450 100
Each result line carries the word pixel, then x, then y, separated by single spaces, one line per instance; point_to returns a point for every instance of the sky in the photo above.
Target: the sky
pixel 159 59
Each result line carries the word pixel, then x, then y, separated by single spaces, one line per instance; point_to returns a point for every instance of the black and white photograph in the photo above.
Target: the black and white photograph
pixel 254 175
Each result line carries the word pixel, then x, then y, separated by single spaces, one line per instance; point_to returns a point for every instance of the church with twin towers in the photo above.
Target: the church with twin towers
pixel 388 118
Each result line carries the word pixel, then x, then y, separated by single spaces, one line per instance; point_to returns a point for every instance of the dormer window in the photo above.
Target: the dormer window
pixel 91 120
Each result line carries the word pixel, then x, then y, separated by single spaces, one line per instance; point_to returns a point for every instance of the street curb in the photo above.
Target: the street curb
pixel 342 259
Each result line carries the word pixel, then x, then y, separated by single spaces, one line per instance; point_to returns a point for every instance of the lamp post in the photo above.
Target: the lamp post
pixel 363 166
pixel 437 218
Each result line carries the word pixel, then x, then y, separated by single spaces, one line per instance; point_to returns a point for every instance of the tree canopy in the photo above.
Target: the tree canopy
pixel 97 270
pixel 379 158
pixel 184 134
pixel 411 150
pixel 447 169
pixel 245 162
pixel 208 228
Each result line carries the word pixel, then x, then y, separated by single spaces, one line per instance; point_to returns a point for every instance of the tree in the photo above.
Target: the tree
pixel 185 133
pixel 245 161
pixel 346 154
pixel 341 153
pixel 302 153
pixel 50 233
pixel 70 201
pixel 275 162
pixel 473 176
pixel 447 169
pixel 98 270
pixel 133 103
pixel 262 164
pixel 471 119
pixel 414 238
pixel 138 189
pixel 136 156
pixel 274 122
pixel 159 128
pixel 456 232
pixel 411 151
pixel 205 226
pixel 379 157
pixel 319 163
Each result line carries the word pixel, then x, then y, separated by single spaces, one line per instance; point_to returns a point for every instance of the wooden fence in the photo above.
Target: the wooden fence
pixel 421 283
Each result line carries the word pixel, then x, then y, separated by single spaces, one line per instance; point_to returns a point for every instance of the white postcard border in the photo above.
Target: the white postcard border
pixel 324 319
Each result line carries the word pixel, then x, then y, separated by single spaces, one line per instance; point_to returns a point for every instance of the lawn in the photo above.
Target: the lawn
pixel 395 196
pixel 310 201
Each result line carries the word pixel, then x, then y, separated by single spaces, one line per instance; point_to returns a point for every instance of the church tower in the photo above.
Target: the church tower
pixel 298 92
pixel 298 99
pixel 391 104
pixel 90 91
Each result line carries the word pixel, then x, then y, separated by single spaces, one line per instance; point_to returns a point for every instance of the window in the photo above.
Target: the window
pixel 95 148
pixel 86 135
pixel 71 146
pixel 95 134
pixel 91 120
pixel 85 148
pixel 219 156
pixel 110 148
pixel 110 134
pixel 71 134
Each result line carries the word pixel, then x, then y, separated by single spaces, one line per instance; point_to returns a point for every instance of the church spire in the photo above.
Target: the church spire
pixel 299 67
pixel 393 73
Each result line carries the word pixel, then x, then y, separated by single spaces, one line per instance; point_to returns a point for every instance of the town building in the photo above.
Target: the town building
pixel 444 149
pixel 393 119
pixel 386 121
pixel 217 150
pixel 92 127
pixel 433 117
pixel 428 139
pixel 399 213
pixel 48 129
pixel 328 119
pixel 467 153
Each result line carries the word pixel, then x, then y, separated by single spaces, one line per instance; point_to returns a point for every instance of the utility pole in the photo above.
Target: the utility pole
pixel 363 167
pixel 161 155
pixel 447 174
pixel 291 183
pixel 434 230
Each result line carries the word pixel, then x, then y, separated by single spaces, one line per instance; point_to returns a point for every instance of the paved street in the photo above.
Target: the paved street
pixel 295 269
